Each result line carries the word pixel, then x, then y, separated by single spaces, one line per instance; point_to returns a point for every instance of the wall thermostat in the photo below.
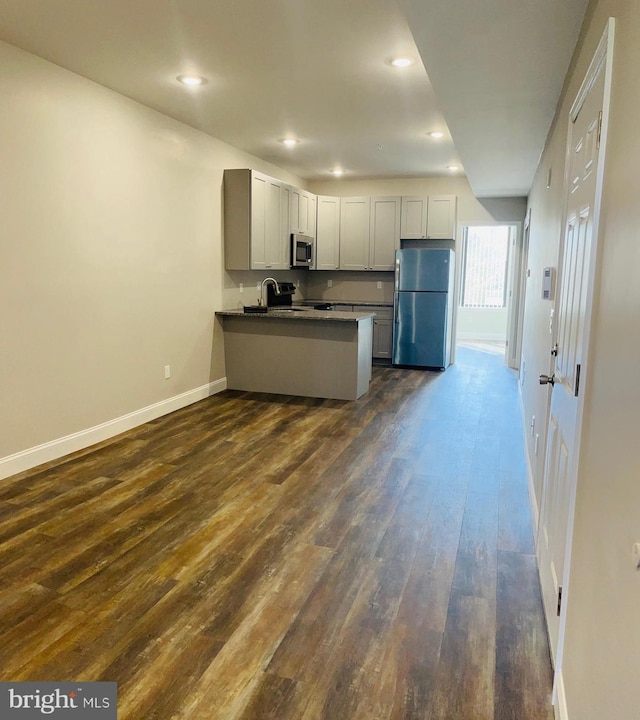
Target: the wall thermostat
pixel 548 283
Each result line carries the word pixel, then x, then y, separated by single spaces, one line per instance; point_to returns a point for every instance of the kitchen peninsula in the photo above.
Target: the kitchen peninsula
pixel 299 351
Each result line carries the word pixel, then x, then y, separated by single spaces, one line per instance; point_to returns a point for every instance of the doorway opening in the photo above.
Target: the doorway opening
pixel 486 319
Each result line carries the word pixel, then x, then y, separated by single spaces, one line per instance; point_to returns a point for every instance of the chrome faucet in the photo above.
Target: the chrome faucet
pixel 276 286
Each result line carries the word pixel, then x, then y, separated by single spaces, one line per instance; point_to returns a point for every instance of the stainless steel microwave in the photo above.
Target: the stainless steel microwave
pixel 301 251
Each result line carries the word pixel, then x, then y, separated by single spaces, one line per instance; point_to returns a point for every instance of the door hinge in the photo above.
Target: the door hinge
pixel 577 388
pixel 559 600
pixel 599 130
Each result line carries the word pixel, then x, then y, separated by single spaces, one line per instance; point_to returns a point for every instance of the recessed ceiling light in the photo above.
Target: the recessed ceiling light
pixel 436 134
pixel 452 168
pixel 289 142
pixel 337 172
pixel 401 62
pixel 192 80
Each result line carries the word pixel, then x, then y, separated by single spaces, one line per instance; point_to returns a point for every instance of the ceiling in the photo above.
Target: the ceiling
pixel 319 71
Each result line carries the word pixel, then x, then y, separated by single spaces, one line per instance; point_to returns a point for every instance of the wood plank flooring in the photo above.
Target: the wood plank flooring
pixel 254 557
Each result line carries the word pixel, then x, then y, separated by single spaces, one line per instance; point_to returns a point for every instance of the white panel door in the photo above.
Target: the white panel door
pixel 572 323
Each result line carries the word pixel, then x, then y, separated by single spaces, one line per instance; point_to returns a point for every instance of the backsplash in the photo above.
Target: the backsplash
pixel 311 284
pixel 355 286
pixel 233 297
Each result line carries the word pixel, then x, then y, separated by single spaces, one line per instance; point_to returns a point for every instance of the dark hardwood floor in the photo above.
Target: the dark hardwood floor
pixel 257 556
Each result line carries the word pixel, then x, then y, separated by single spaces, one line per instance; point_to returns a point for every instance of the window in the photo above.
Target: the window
pixel 484 276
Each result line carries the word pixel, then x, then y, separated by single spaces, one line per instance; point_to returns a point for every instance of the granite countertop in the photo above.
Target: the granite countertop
pixel 299 313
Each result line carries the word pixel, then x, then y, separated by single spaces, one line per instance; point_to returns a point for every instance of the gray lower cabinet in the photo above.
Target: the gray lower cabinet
pixel 382 330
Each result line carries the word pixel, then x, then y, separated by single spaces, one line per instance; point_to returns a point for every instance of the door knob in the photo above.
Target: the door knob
pixel 547 379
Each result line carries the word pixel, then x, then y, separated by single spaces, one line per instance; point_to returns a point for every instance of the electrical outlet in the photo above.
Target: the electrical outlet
pixel 329 283
pixel 379 284
pixel 241 287
pixel 537 444
pixel 532 424
pixel 167 372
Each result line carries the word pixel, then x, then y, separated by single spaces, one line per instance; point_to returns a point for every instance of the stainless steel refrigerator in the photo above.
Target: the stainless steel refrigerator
pixel 423 307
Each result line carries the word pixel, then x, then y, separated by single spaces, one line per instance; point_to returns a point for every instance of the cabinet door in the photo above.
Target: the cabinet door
pixel 328 233
pixel 312 215
pixel 259 184
pixel 382 329
pixel 441 217
pixel 382 337
pixel 384 237
pixel 294 210
pixel 354 233
pixel 281 256
pixel 273 236
pixel 272 220
pixel 413 224
pixel 302 212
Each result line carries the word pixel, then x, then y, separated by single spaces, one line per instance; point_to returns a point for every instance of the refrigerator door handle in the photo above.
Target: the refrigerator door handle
pixel 395 307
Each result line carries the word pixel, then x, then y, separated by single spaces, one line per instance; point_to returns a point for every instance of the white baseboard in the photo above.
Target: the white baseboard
pixel 560 698
pixel 27 459
pixel 480 337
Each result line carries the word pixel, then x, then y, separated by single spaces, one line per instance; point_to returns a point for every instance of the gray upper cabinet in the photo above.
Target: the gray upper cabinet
pixel 428 218
pixel 302 212
pixel 369 232
pixel 256 221
pixel 354 233
pixel 327 233
pixel 414 217
pixel 441 217
pixel 384 232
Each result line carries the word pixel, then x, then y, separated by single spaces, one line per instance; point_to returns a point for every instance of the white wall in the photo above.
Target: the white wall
pixel 110 255
pixel 602 645
pixel 482 324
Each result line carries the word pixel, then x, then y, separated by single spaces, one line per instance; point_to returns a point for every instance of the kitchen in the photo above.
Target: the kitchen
pixel 113 264
pixel 270 226
pixel 344 237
